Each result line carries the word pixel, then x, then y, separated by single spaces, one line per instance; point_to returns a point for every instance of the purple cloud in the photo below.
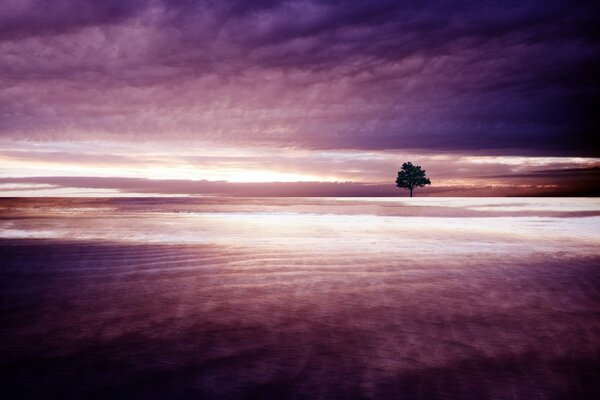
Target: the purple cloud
pixel 512 78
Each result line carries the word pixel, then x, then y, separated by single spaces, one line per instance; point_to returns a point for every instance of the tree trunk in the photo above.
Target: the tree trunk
pixel 410 192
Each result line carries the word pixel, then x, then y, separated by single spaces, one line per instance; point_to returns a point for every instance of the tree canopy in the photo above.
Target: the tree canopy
pixel 411 176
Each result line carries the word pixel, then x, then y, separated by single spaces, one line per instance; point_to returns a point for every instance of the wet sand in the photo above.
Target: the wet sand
pixel 300 298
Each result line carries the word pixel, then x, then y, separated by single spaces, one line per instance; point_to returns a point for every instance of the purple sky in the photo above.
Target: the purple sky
pixel 492 98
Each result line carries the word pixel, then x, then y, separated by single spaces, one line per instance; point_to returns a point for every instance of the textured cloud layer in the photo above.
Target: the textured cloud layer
pixel 514 78
pixel 257 171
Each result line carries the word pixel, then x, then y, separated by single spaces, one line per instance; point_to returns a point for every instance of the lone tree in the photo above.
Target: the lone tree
pixel 411 176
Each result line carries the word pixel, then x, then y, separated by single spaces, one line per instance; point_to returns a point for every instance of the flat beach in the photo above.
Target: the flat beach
pixel 290 298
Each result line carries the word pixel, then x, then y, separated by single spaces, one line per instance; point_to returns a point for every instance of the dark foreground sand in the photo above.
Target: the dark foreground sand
pixel 108 300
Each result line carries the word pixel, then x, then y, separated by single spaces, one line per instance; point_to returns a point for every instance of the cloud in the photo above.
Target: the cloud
pixel 205 169
pixel 507 79
pixel 136 186
pixel 25 18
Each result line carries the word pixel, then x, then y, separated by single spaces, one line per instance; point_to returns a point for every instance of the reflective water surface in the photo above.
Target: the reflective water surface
pixel 313 298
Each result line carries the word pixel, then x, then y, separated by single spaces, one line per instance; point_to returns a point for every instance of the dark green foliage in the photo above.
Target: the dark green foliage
pixel 411 176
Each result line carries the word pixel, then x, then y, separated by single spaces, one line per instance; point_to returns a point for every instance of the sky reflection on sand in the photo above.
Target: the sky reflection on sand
pixel 364 229
pixel 299 298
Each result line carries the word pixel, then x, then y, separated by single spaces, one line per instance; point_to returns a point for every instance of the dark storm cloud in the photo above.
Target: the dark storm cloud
pixel 24 18
pixel 510 78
